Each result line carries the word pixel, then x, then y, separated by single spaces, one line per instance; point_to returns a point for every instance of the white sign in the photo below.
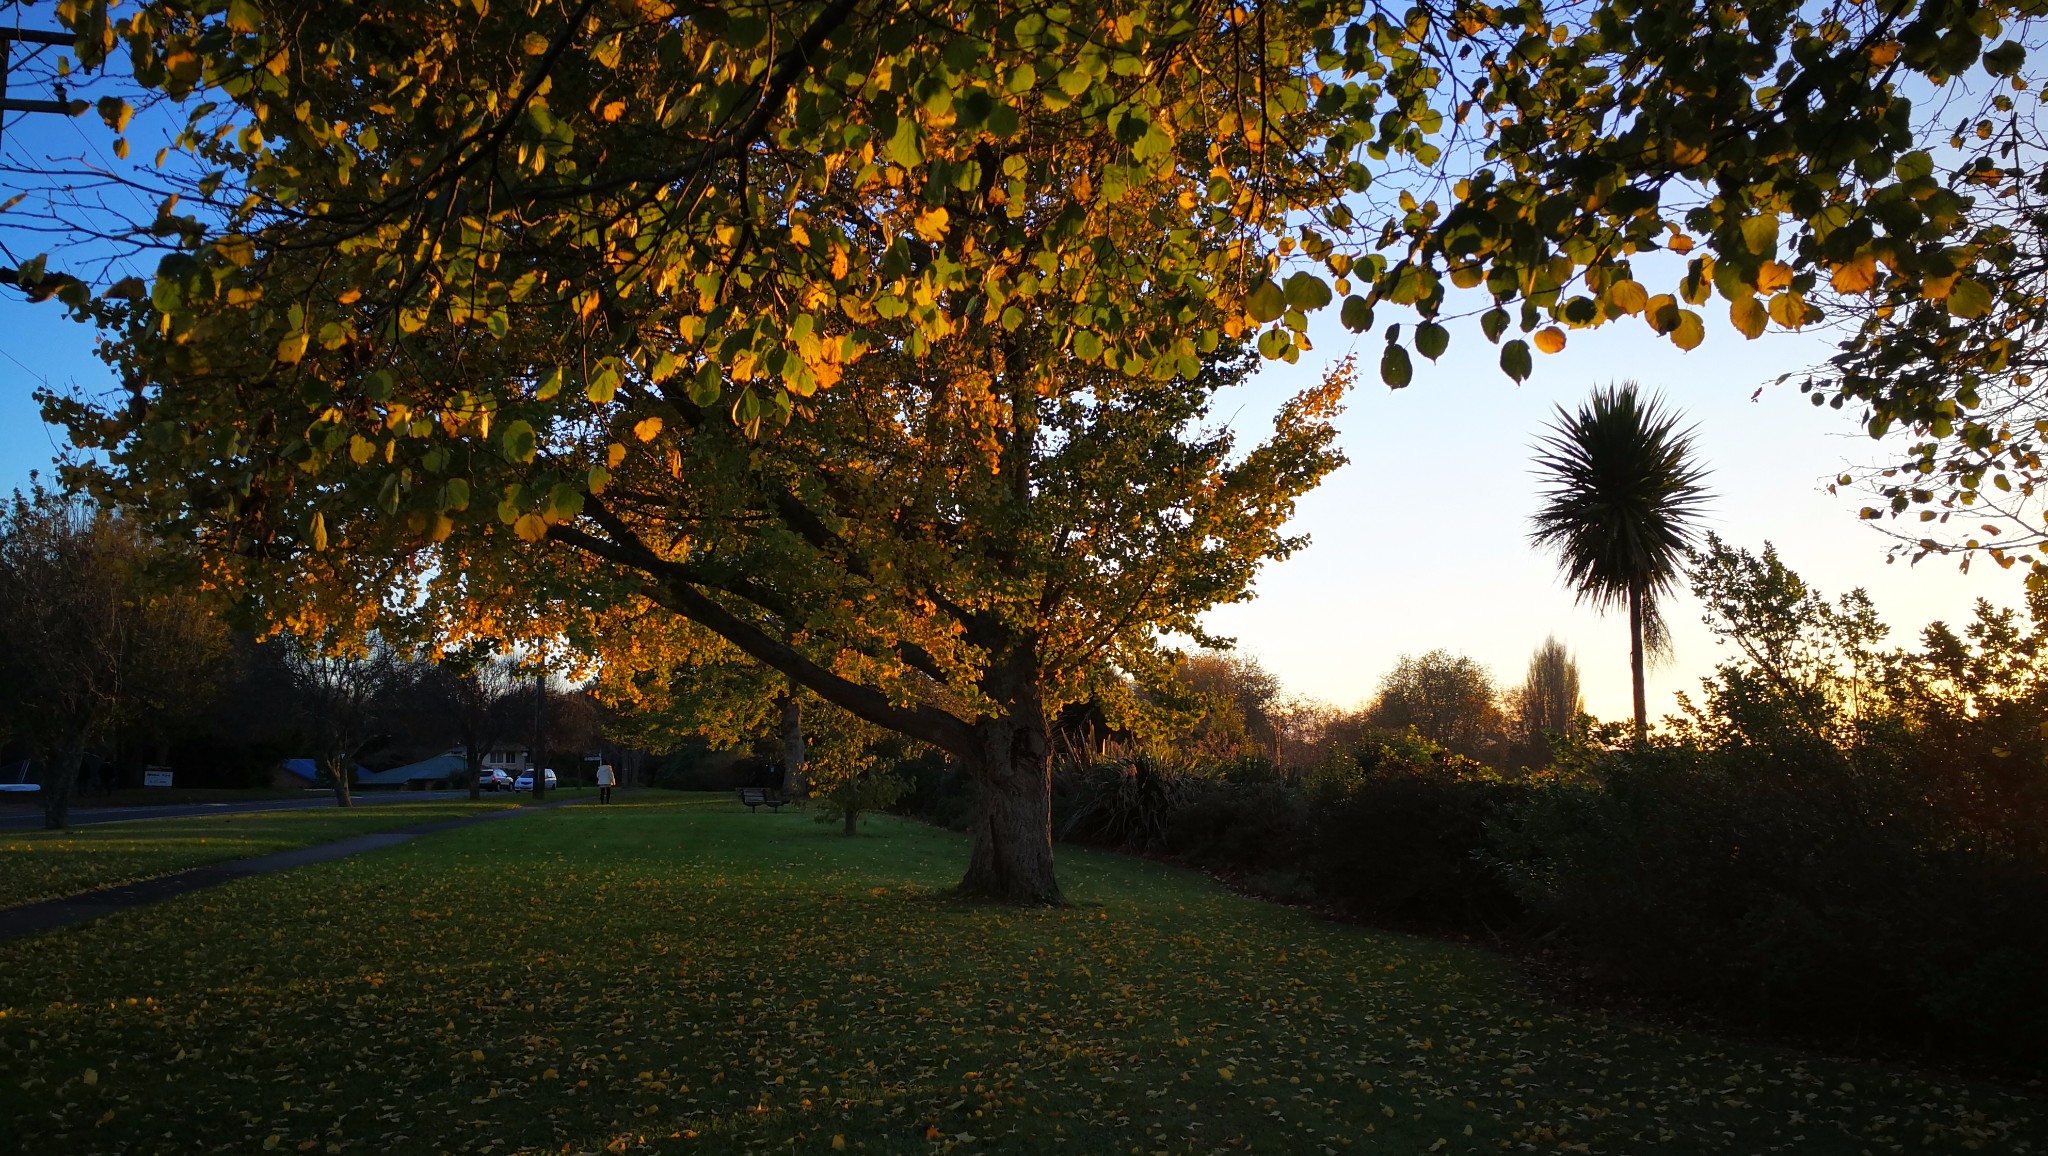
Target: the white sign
pixel 156 778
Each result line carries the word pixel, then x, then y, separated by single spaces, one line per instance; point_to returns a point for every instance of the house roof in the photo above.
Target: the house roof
pixel 309 770
pixel 439 767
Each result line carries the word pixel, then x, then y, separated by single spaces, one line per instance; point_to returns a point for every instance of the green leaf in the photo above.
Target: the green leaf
pixel 2005 59
pixel 1266 303
pixel 1914 165
pixel 1493 323
pixel 565 501
pixel 604 384
pixel 1356 314
pixel 519 442
pixel 904 146
pixel 1395 368
pixel 1307 291
pixel 1431 340
pixel 1969 298
pixel 1760 233
pixel 708 385
pixel 1514 359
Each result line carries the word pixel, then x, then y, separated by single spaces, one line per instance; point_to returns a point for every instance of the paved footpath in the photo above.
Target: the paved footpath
pixel 50 914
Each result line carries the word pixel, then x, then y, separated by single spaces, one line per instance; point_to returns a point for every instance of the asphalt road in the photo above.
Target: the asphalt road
pixel 20 815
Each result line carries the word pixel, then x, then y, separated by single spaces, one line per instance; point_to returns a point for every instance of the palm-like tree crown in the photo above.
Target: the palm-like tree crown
pixel 1622 500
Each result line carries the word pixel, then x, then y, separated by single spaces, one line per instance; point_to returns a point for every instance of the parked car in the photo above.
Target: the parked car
pixel 495 780
pixel 525 781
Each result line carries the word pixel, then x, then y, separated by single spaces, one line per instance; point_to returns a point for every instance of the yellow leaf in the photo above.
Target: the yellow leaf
pixel 270 1141
pixel 1772 276
pixel 1628 296
pixel 647 429
pixel 614 454
pixel 1680 243
pixel 292 348
pixel 1857 276
pixel 1550 339
pixel 1690 331
pixel 839 1143
pixel 477 1055
pixel 92 1076
pixel 1226 1073
pixel 530 528
pixel 1748 315
pixel 1662 312
pixel 613 111
pixel 931 224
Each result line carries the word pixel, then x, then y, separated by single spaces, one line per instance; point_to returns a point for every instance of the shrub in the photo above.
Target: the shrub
pixel 1257 826
pixel 1126 801
pixel 1401 829
pixel 1808 892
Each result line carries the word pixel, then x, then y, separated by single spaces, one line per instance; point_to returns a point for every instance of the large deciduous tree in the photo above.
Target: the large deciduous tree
pixel 876 342
pixel 1446 698
pixel 1621 504
pixel 89 642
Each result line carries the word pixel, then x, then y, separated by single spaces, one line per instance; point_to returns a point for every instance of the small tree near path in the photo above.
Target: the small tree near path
pixel 853 769
pixel 342 684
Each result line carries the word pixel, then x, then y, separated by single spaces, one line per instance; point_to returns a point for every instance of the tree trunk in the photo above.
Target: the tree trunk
pixel 852 817
pixel 57 790
pixel 1012 857
pixel 338 770
pixel 1635 660
pixel 473 759
pixel 793 783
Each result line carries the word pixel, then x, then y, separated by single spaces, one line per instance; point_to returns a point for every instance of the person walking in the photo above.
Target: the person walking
pixel 605 782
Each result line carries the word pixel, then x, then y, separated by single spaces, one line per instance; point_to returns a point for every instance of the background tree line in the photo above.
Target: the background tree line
pixel 112 666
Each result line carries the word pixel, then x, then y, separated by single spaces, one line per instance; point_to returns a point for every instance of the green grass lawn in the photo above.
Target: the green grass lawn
pixel 679 977
pixel 47 864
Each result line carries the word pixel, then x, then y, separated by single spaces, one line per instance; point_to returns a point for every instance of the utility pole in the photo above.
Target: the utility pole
pixel 27 36
pixel 540 716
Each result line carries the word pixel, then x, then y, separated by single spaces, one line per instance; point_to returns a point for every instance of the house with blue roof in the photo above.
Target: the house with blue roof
pixel 442 772
pixel 305 773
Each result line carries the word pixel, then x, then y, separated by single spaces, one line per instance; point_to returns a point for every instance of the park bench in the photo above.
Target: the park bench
pixel 756 797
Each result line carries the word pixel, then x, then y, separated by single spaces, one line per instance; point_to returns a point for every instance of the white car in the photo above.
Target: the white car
pixel 496 780
pixel 525 781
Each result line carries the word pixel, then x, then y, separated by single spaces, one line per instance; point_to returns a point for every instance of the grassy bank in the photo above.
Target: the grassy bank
pixel 685 976
pixel 47 864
